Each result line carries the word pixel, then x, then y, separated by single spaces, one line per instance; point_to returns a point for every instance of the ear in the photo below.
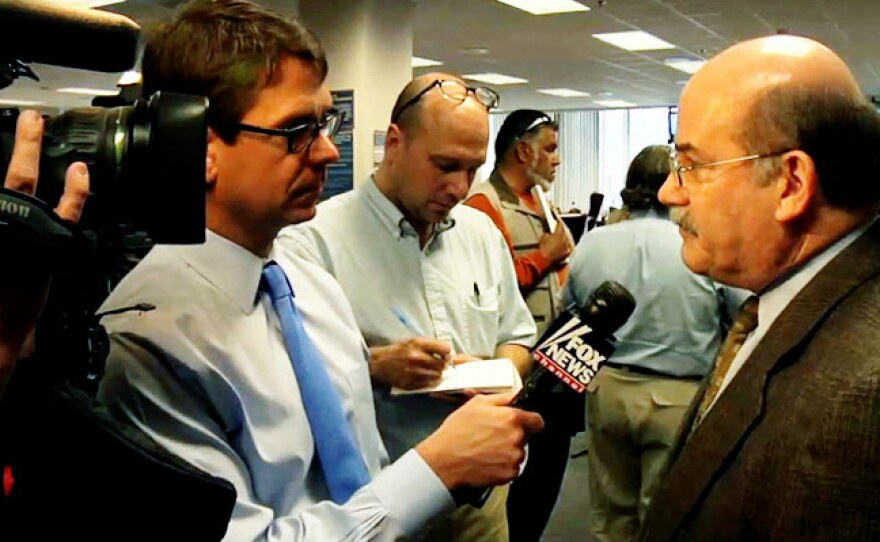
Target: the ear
pixel 394 140
pixel 523 152
pixel 211 170
pixel 799 186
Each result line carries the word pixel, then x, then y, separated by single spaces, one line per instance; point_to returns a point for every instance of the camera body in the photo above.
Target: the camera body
pixel 146 162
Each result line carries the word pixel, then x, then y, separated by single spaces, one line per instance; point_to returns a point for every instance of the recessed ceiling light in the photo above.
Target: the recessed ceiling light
pixel 634 41
pixel 93 3
pixel 546 7
pixel 89 91
pixel 420 62
pixel 614 103
pixel 20 102
pixel 474 51
pixel 606 93
pixel 495 78
pixel 687 65
pixel 564 92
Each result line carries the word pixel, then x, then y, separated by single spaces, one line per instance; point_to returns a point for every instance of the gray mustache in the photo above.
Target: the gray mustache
pixel 680 216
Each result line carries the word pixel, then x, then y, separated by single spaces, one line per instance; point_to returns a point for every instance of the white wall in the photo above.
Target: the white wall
pixel 369 47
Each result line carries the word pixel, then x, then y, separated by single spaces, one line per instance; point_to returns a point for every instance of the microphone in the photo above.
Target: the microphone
pixel 569 353
pixel 82 38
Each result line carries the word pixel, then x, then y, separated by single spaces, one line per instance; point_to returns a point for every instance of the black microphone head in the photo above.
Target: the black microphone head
pixel 88 39
pixel 608 307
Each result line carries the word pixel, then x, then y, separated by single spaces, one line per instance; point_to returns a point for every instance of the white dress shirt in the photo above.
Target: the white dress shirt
pixel 461 287
pixel 207 375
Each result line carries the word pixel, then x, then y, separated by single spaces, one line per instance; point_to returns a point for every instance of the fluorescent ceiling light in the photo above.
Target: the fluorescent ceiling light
pixel 495 78
pixel 614 103
pixel 419 62
pixel 634 41
pixel 131 77
pixel 19 102
pixel 92 3
pixel 564 92
pixel 546 7
pixel 89 91
pixel 686 65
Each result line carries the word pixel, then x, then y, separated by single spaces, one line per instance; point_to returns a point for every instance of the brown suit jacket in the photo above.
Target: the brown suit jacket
pixel 791 449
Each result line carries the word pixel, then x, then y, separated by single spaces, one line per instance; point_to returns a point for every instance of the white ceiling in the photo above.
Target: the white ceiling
pixel 559 51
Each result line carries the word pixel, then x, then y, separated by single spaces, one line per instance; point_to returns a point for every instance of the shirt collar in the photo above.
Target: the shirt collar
pixel 391 217
pixel 229 267
pixel 776 298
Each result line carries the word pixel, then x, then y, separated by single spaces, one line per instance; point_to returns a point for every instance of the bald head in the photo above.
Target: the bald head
pixel 408 114
pixel 762 64
pixel 788 92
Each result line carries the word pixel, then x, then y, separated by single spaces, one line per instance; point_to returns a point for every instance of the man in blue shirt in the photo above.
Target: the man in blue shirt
pixel 206 373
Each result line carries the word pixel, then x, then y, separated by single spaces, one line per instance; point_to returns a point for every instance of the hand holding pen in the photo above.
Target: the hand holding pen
pixel 414 328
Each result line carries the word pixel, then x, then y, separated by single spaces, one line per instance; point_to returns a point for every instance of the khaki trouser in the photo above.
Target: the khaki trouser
pixel 469 524
pixel 633 420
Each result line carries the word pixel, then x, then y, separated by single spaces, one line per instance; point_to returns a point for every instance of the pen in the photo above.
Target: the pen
pixel 477 292
pixel 415 329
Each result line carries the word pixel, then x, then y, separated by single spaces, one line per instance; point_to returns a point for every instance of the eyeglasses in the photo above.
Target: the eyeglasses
pixel 455 91
pixel 679 169
pixel 301 136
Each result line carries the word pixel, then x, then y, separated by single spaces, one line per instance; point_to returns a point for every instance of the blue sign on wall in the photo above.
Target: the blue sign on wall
pixel 340 175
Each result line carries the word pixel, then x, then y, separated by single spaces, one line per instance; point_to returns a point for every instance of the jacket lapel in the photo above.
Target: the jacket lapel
pixel 734 414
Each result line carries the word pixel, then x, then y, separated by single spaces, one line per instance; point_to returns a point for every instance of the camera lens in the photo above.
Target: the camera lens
pixel 146 164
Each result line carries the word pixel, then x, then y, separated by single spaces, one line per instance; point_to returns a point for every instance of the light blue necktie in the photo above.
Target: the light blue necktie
pixel 341 461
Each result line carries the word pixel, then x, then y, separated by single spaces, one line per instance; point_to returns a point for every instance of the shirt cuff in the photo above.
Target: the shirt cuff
pixel 540 261
pixel 412 493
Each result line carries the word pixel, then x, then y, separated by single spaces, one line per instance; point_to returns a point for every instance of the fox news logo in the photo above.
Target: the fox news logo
pixel 567 355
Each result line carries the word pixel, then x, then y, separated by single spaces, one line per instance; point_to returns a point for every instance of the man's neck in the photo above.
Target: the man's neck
pixel 257 241
pixel 517 178
pixel 382 178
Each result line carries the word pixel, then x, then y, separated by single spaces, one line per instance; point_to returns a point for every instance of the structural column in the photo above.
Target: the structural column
pixel 369 47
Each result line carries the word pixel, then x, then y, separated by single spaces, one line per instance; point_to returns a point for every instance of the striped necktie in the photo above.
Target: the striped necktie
pixel 746 321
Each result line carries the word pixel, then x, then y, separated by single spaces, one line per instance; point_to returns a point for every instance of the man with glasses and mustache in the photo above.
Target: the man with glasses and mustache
pixel 251 365
pixel 526 155
pixel 775 186
pixel 403 249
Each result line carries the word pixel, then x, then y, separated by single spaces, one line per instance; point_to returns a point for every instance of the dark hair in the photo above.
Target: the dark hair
pixel 227 50
pixel 840 131
pixel 646 174
pixel 516 126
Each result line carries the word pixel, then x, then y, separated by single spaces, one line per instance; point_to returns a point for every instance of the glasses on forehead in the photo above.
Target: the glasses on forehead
pixel 455 91
pixel 679 170
pixel 300 136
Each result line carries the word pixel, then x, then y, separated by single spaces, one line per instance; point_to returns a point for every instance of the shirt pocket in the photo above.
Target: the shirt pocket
pixel 480 310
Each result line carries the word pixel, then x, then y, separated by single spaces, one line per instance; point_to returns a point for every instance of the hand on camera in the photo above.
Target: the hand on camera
pixel 22 292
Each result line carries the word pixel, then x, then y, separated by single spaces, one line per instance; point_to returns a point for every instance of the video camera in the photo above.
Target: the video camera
pixel 146 161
